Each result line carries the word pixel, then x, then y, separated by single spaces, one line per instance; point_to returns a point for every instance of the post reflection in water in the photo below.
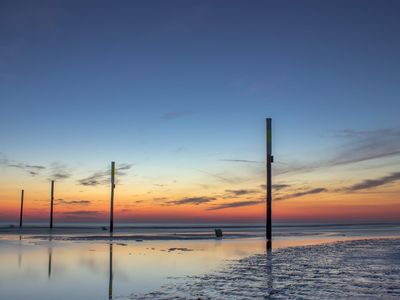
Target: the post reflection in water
pixel 79 265
pixel 50 250
pixel 269 245
pixel 269 276
pixel 19 252
pixel 110 279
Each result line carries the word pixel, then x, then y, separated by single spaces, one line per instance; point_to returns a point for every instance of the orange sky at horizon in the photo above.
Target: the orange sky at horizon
pixel 138 203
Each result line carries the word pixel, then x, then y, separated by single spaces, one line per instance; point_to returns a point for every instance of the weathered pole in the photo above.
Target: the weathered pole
pixel 51 203
pixel 270 159
pixel 22 208
pixel 112 196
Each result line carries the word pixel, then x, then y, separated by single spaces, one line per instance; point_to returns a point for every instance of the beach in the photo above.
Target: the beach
pixel 359 269
pixel 199 150
pixel 187 262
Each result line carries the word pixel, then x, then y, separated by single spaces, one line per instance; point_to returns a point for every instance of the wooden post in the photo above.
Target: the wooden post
pixel 22 208
pixel 270 159
pixel 51 204
pixel 112 196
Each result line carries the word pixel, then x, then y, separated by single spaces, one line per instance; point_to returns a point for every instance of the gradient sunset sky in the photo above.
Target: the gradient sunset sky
pixel 176 92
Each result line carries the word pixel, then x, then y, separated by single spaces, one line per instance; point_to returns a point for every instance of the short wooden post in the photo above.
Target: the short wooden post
pixel 22 208
pixel 51 204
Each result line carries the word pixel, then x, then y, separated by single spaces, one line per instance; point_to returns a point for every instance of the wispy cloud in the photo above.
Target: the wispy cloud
pixel 192 200
pixel 81 213
pixel 277 187
pixel 60 176
pixel 72 202
pixel 240 192
pixel 97 178
pixel 220 177
pixel 356 146
pixel 242 161
pixel 59 171
pixel 365 145
pixel 371 183
pixel 173 115
pixel 297 168
pixel 301 194
pixel 29 168
pixel 235 204
pixel 103 177
pixel 281 186
pixel 122 168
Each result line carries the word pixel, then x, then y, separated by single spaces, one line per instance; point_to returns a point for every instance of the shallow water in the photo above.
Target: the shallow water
pixel 57 266
pixel 359 269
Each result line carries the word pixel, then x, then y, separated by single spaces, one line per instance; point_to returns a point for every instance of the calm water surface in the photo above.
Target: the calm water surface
pixel 54 267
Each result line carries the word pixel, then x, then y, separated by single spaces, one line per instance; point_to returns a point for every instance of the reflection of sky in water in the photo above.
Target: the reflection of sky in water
pixel 42 269
pixel 80 270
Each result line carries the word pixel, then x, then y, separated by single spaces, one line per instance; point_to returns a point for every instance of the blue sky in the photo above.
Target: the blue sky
pixel 165 83
pixel 98 69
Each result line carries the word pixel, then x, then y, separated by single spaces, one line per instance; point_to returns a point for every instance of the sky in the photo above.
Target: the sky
pixel 177 92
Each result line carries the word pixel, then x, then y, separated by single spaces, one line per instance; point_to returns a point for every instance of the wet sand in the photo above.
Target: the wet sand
pixel 359 269
pixel 189 262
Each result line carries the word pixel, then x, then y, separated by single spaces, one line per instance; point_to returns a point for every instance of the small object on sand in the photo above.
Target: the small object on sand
pixel 104 228
pixel 218 232
pixel 179 249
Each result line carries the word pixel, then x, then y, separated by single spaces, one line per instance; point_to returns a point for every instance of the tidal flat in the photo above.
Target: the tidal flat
pixel 310 262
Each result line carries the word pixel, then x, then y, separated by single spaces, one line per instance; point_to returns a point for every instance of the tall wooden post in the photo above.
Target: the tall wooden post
pixel 270 159
pixel 51 204
pixel 22 208
pixel 112 196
